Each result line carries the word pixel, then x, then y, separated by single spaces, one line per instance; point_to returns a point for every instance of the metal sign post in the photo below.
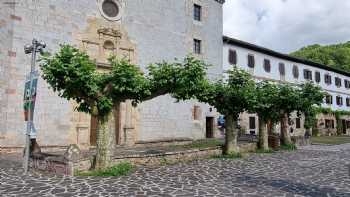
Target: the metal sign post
pixel 29 96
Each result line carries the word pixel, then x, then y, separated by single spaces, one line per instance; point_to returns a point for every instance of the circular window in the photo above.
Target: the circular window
pixel 110 9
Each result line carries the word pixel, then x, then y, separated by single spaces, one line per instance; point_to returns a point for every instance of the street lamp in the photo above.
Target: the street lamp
pixel 36 47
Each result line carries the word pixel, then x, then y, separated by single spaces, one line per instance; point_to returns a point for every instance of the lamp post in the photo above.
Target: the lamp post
pixel 31 49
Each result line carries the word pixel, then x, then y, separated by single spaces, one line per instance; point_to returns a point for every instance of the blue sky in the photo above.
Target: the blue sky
pixel 287 25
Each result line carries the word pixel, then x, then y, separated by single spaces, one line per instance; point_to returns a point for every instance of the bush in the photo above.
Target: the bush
pixel 121 169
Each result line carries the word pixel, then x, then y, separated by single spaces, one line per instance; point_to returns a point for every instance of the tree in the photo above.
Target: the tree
pixel 310 97
pixel 287 102
pixel 336 56
pixel 74 76
pixel 265 105
pixel 230 98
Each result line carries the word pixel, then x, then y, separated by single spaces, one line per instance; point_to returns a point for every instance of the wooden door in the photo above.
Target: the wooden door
pixel 93 131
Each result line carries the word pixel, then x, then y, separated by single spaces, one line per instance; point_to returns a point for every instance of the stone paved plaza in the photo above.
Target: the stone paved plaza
pixel 318 171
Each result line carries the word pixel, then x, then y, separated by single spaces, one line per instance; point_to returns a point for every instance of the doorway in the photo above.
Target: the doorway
pixel 343 122
pixel 94 125
pixel 209 131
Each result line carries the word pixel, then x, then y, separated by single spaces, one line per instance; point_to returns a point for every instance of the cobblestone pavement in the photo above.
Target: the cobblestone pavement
pixel 311 171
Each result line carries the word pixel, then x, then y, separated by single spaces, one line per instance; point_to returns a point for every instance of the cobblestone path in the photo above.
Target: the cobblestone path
pixel 308 172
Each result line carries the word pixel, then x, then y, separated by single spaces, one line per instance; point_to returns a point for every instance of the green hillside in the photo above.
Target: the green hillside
pixel 337 55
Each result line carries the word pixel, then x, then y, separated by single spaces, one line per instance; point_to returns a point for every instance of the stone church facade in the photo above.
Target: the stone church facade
pixel 143 31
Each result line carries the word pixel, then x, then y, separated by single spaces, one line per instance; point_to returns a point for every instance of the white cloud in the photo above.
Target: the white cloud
pixel 287 25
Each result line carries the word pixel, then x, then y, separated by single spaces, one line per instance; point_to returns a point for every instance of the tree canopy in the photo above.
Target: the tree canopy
pixel 231 96
pixel 337 55
pixel 74 76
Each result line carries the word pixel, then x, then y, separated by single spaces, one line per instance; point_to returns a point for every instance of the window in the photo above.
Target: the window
pixel 282 69
pixel 297 123
pixel 267 65
pixel 338 82
pixel 295 72
pixel 197 46
pixel 251 61
pixel 328 79
pixel 329 124
pixel 348 102
pixel 197 12
pixel 232 57
pixel 317 77
pixel 347 84
pixel 110 8
pixel 329 99
pixel 339 100
pixel 307 74
pixel 252 122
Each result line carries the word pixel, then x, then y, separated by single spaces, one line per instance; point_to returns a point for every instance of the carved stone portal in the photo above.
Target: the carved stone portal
pixel 101 40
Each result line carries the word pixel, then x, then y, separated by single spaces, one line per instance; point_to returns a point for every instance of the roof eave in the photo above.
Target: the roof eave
pixel 270 52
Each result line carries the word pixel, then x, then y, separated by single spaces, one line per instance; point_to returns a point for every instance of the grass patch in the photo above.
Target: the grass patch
pixel 333 140
pixel 121 169
pixel 206 143
pixel 261 151
pixel 288 147
pixel 229 156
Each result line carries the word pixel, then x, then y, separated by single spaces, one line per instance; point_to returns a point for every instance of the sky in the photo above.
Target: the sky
pixel 287 25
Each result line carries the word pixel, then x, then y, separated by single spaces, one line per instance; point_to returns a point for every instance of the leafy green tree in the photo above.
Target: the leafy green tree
pixel 287 102
pixel 74 76
pixel 266 106
pixel 310 98
pixel 337 56
pixel 230 98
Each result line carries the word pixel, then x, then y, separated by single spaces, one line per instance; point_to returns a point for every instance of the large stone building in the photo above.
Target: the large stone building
pixel 266 64
pixel 144 31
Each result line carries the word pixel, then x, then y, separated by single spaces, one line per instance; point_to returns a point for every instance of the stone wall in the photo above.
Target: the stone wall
pixel 321 125
pixel 160 30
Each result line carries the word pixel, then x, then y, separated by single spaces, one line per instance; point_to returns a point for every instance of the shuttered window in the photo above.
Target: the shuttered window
pixel 317 77
pixel 348 102
pixel 339 100
pixel 329 99
pixel 347 84
pixel 267 65
pixel 232 57
pixel 338 82
pixel 295 72
pixel 328 79
pixel 197 48
pixel 251 61
pixel 197 12
pixel 282 69
pixel 307 74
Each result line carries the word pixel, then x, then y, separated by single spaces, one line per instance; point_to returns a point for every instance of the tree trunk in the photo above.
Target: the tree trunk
pixel 263 136
pixel 105 141
pixel 285 136
pixel 231 146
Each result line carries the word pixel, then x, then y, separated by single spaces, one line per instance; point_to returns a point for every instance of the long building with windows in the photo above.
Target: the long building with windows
pixel 266 64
